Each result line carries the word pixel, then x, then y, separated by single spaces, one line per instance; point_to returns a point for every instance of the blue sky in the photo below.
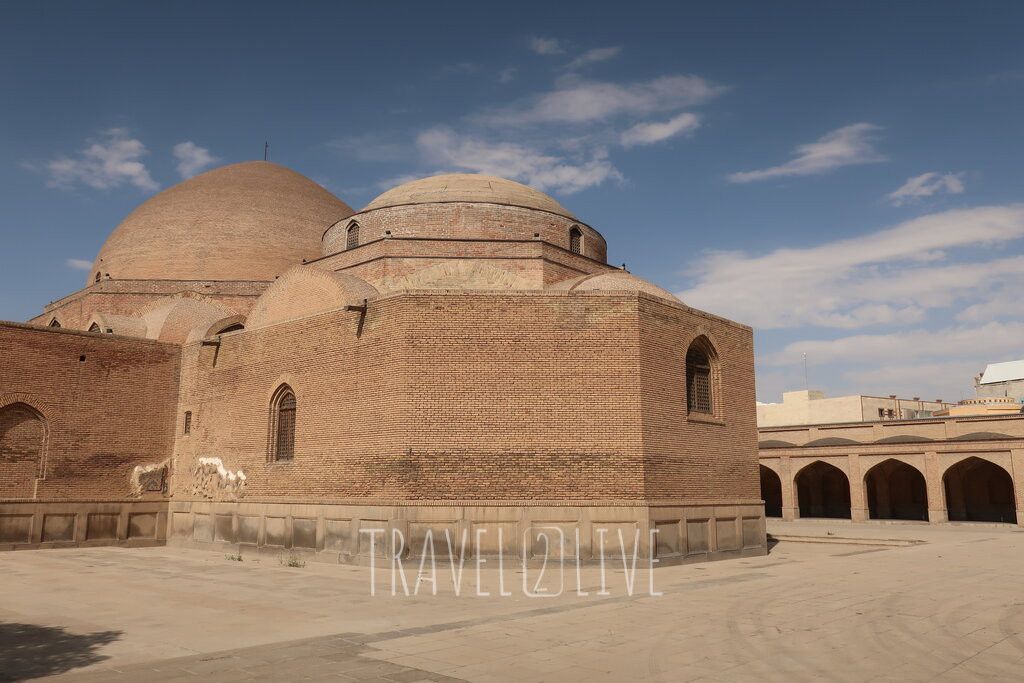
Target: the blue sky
pixel 845 177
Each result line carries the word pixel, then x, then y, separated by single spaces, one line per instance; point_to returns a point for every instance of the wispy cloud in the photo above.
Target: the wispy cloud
pixel 994 339
pixel 546 46
pixel 888 276
pixel 575 101
pixel 846 146
pixel 649 133
pixel 544 171
pixel 78 264
pixel 110 160
pixel 508 74
pixel 597 54
pixel 925 185
pixel 192 158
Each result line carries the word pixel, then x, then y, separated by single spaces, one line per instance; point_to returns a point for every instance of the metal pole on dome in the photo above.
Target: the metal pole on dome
pixel 266 149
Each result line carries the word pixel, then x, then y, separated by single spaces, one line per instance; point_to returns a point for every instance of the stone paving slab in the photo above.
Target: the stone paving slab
pixel 950 608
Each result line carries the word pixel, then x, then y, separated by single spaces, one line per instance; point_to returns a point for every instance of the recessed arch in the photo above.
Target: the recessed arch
pixel 896 490
pixel 576 240
pixel 701 377
pixel 95 327
pixel 832 441
pixel 22 449
pixel 823 490
pixel 771 492
pixel 775 443
pixel 978 490
pixel 352 235
pixel 283 409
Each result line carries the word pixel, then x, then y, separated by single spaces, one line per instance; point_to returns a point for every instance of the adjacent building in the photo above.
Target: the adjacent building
pixel 813 407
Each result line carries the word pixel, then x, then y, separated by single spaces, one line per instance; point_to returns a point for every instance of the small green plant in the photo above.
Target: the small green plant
pixel 233 558
pixel 293 561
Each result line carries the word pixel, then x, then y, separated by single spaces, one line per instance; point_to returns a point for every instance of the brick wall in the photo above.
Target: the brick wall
pixel 107 403
pixel 475 396
pixel 692 456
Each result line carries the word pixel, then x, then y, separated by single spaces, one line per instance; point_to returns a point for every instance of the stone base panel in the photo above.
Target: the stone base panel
pixel 342 533
pixel 31 525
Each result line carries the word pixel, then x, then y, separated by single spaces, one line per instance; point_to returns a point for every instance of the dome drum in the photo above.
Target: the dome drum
pixel 465 221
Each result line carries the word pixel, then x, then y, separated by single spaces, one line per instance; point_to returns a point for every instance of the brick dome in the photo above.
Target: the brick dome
pixel 614 281
pixel 465 206
pixel 468 187
pixel 247 221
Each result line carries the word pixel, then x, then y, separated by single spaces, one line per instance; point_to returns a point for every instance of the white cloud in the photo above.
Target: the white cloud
pixel 78 264
pixel 444 147
pixel 992 339
pixel 508 74
pixel 109 161
pixel 192 158
pixel 889 276
pixel 546 46
pixel 598 54
pixel 925 185
pixel 575 101
pixel 846 146
pixel 649 133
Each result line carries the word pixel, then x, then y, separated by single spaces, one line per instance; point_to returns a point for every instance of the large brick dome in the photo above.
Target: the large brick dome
pixel 247 221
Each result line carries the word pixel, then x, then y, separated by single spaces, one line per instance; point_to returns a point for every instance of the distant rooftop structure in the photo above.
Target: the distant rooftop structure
pixel 1003 372
pixel 808 407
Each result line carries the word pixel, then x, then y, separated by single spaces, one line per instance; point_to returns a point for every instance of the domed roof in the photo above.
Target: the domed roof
pixel 467 187
pixel 615 281
pixel 247 221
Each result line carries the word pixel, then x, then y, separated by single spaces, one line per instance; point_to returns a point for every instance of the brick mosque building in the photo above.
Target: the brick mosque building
pixel 252 365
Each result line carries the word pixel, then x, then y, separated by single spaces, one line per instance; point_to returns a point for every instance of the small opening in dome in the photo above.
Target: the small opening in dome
pixel 575 240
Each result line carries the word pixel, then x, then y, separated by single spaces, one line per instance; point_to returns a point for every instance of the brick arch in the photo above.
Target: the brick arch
pixel 823 490
pixel 947 464
pixel 896 489
pixel 976 488
pixel 24 436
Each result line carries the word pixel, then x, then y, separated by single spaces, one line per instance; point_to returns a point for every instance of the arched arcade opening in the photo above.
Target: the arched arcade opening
pixel 771 492
pixel 979 490
pixel 896 490
pixel 823 491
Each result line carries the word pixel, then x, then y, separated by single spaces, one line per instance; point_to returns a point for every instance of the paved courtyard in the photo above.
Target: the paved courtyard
pixel 869 602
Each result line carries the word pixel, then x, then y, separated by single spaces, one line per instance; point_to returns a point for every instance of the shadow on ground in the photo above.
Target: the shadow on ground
pixel 28 651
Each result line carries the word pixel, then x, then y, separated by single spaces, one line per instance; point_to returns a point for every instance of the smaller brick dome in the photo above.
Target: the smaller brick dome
pixel 464 206
pixel 615 281
pixel 468 187
pixel 304 291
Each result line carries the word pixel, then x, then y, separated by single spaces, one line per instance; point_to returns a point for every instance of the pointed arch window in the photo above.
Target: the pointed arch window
pixel 54 323
pixel 95 328
pixel 97 278
pixel 700 377
pixel 352 236
pixel 575 240
pixel 282 425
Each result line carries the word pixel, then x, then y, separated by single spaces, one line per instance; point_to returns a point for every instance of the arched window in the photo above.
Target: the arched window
pixel 352 236
pixel 22 442
pixel 94 328
pixel 282 425
pixel 700 380
pixel 54 323
pixel 575 240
